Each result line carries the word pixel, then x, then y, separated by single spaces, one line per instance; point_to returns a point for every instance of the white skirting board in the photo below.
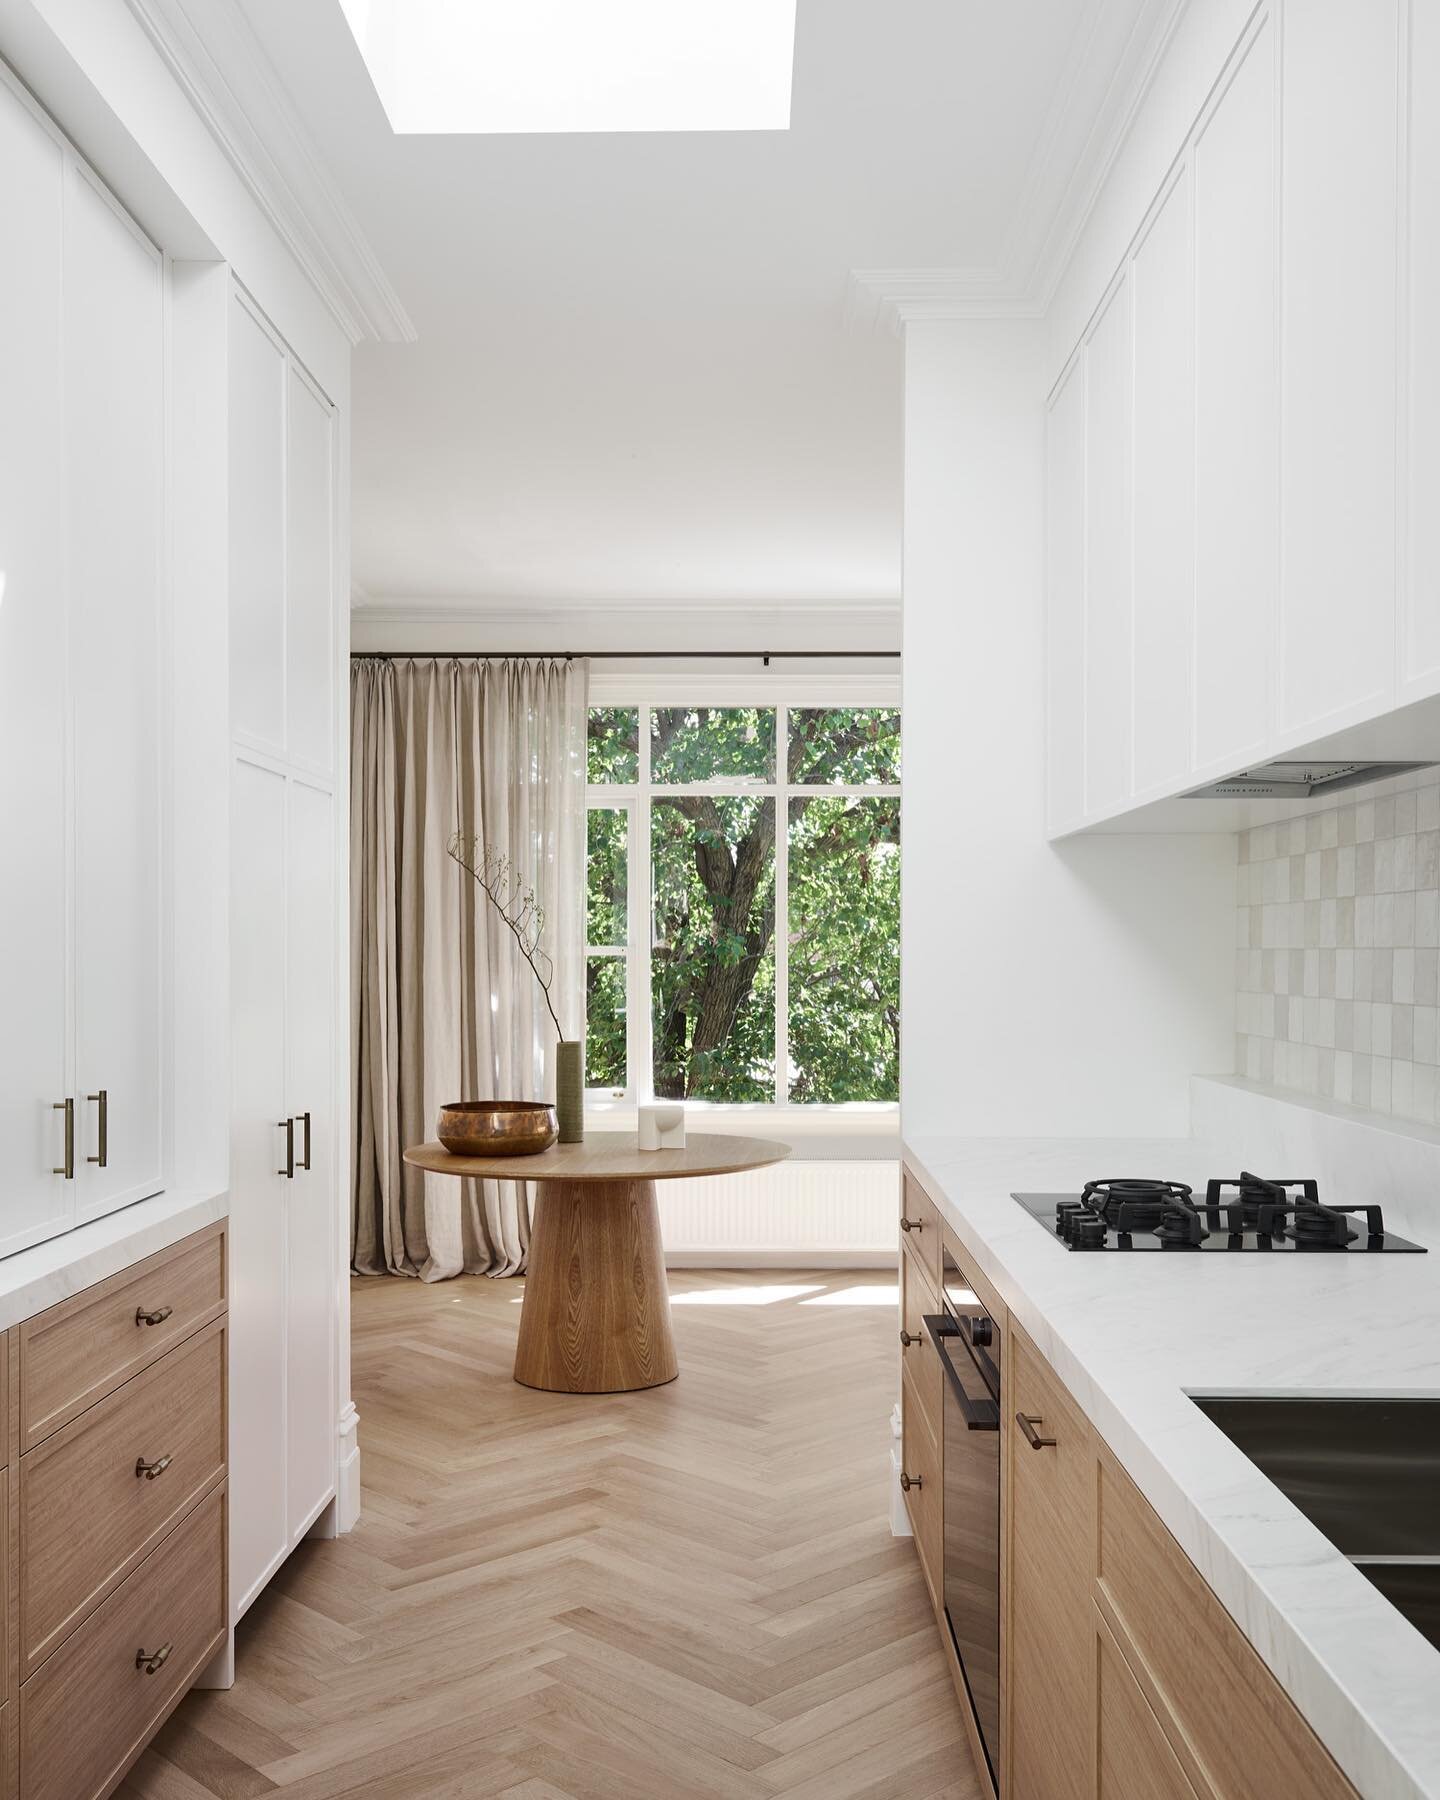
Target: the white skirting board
pixel 819 1214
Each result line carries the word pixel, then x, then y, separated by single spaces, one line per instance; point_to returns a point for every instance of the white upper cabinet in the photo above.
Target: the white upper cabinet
pixel 114 394
pixel 309 576
pixel 1339 338
pixel 34 986
pixel 1257 451
pixel 1163 280
pixel 1235 415
pixel 1419 657
pixel 1108 672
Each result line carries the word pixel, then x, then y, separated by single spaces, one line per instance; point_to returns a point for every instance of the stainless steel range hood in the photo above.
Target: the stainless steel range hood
pixel 1299 780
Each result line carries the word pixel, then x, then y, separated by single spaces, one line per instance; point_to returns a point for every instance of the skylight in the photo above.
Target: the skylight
pixel 470 66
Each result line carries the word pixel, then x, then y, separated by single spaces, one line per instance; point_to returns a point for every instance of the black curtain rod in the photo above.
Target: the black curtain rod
pixel 766 656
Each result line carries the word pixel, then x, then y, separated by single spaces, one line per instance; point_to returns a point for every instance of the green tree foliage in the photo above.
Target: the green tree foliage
pixel 713 904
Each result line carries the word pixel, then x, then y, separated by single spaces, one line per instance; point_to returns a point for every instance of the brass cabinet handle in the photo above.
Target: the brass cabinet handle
pixel 158 1317
pixel 912 1481
pixel 288 1127
pixel 102 1100
pixel 151 1471
pixel 152 1661
pixel 305 1153
pixel 1027 1423
pixel 67 1168
pixel 911 1224
pixel 907 1338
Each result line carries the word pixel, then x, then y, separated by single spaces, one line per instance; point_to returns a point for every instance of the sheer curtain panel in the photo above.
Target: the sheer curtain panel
pixel 443 1007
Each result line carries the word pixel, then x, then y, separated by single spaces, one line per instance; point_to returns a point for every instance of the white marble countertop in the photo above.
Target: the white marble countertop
pixel 1132 1341
pixel 47 1273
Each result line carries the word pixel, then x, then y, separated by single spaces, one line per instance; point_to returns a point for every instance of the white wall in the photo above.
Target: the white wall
pixel 1047 990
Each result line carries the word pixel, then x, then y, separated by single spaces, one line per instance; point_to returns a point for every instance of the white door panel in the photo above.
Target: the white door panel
pixel 309 582
pixel 1065 602
pixel 114 427
pixel 258 1197
pixel 257 532
pixel 310 1236
pixel 35 961
pixel 1108 672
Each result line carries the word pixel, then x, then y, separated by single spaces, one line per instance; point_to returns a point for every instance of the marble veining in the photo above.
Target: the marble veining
pixel 47 1273
pixel 1133 1337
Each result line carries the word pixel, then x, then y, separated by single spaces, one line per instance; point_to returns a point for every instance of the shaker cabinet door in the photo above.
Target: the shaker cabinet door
pixel 309 577
pixel 114 428
pixel 34 984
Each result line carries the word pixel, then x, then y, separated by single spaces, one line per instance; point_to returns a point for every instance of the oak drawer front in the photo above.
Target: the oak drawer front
pixel 97 1496
pixel 1225 1709
pixel 175 1599
pixel 920 1465
pixel 918 1353
pixel 920 1227
pixel 74 1354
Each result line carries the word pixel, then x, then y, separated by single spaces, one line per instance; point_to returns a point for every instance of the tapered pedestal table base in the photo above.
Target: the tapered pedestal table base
pixel 596 1318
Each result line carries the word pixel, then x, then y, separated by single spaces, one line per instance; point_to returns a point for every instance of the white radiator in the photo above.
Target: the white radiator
pixel 830 1214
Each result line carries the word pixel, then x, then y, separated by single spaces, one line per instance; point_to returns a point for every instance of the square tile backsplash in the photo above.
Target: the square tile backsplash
pixel 1338 941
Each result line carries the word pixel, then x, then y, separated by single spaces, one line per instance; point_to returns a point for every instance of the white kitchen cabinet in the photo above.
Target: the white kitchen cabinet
pixel 1236 462
pixel 1419 621
pixel 1339 337
pixel 284 1220
pixel 1065 600
pixel 81 550
pixel 1108 621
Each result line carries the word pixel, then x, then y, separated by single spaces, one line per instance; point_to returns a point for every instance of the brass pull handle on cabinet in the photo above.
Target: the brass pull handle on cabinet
pixel 911 1481
pixel 152 1661
pixel 305 1153
pixel 907 1338
pixel 150 1471
pixel 67 1168
pixel 158 1317
pixel 1027 1423
pixel 288 1127
pixel 102 1100
pixel 911 1224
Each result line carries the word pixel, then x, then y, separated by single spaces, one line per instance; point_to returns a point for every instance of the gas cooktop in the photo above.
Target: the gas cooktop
pixel 1243 1212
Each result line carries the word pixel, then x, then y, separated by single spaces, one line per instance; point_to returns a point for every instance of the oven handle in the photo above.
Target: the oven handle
pixel 984 1417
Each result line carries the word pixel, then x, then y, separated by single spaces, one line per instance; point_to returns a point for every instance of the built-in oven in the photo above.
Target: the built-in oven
pixel 969 1344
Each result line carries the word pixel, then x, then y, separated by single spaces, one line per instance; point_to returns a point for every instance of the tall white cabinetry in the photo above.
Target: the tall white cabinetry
pixel 284 943
pixel 1248 426
pixel 82 517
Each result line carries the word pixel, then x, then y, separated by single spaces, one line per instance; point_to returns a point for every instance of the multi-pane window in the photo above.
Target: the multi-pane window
pixel 744 903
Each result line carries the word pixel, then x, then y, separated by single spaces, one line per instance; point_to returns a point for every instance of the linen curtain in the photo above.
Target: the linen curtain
pixel 443 1006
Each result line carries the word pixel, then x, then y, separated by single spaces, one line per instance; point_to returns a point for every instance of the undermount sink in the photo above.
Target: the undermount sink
pixel 1365 1471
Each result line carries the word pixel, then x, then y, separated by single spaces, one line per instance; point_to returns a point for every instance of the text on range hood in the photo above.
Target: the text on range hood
pixel 1299 780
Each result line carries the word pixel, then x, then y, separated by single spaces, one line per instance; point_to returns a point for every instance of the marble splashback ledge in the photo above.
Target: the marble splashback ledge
pixel 1338 951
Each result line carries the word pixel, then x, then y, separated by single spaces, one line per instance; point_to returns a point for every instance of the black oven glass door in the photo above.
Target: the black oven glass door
pixel 971 1524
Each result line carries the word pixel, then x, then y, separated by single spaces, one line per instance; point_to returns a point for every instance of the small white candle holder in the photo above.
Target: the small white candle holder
pixel 662 1127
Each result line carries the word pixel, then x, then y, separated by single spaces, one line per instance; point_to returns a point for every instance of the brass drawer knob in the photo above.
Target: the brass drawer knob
pixel 911 1481
pixel 907 1338
pixel 911 1224
pixel 152 1661
pixel 158 1317
pixel 148 1471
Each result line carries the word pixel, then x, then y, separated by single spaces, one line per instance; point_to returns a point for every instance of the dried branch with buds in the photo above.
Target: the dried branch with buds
pixel 514 900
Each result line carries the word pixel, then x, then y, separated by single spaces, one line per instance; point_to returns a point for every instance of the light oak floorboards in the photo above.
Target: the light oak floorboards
pixel 688 1593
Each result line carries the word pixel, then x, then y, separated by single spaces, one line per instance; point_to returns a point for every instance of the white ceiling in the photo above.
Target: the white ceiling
pixel 634 379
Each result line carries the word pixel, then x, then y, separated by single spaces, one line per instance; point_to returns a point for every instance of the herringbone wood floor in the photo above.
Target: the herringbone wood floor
pixel 686 1592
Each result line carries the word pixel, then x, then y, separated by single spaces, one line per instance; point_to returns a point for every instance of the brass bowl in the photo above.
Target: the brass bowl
pixel 497 1127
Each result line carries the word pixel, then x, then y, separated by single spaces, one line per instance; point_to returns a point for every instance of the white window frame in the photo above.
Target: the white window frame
pixel 784 693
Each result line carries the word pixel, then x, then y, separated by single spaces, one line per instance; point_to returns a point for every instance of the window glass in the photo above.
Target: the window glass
pixel 607 887
pixel 849 746
pixel 713 949
pixel 612 743
pixel 606 1058
pixel 711 743
pixel 844 949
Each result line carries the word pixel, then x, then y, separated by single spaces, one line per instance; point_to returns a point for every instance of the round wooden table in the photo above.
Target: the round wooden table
pixel 596 1318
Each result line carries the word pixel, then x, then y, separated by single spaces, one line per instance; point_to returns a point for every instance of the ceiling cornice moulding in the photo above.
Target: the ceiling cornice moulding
pixel 231 85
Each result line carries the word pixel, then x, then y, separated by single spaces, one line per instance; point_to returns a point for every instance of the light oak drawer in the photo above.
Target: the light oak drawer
pixel 89 1512
pixel 1232 1725
pixel 8 1752
pixel 918 1354
pixel 920 1463
pixel 87 1714
pixel 5 1402
pixel 78 1351
pixel 920 1227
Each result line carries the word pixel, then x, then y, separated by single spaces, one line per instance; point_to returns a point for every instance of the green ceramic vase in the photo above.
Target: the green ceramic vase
pixel 570 1090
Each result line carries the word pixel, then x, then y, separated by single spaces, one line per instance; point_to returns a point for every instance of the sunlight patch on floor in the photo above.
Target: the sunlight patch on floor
pixel 742 1296
pixel 878 1295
